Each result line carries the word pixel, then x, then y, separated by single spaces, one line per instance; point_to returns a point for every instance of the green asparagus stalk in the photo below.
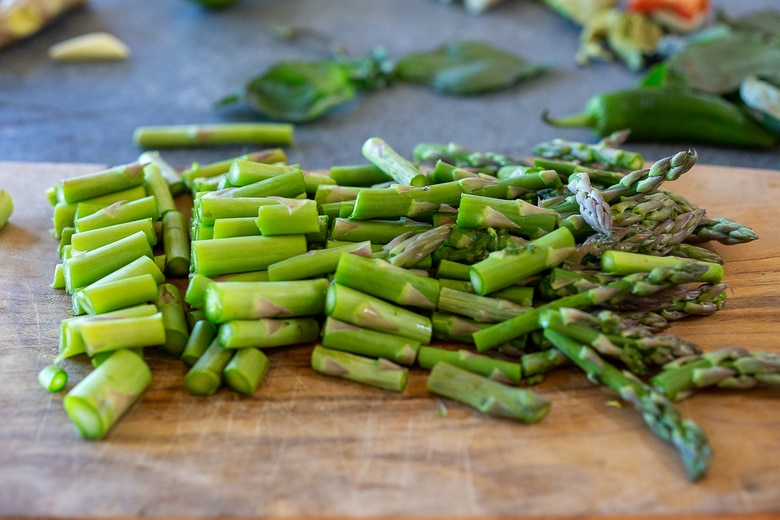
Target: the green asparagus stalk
pixel 461 156
pixel 536 364
pixel 515 215
pixel 235 227
pixel 97 402
pixel 486 395
pixel 329 194
pixel 358 175
pixel 531 178
pixel 603 153
pixel 289 184
pixel 268 332
pixel 243 254
pixel 90 266
pixel 176 244
pixel 102 297
pixel 377 231
pixel 723 230
pixel 101 335
pixel 158 187
pixel 497 369
pixel 415 249
pixel 88 240
pixel 453 327
pixel 226 301
pixel 172 177
pixel 510 265
pixel 153 137
pixel 170 304
pixel 205 377
pixel 288 217
pixel 195 294
pixel 483 309
pixel 246 370
pixel 658 412
pixel 380 278
pixel 566 168
pixel 206 210
pixel 118 213
pixel 202 334
pixel 621 262
pixel 380 372
pixel 340 335
pixel 71 341
pixel 215 169
pixel 243 172
pixel 379 153
pixel 316 262
pixel 91 185
pixel 508 330
pixel 53 378
pixel 731 368
pixel 364 310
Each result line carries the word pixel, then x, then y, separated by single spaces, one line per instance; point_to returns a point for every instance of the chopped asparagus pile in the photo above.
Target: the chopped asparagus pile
pixel 482 270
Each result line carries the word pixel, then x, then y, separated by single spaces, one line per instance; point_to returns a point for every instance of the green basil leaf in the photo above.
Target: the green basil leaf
pixel 719 65
pixel 299 91
pixel 465 68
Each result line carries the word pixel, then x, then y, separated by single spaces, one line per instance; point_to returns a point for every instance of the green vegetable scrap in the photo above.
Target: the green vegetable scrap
pixel 303 91
pixel 485 271
pixel 6 207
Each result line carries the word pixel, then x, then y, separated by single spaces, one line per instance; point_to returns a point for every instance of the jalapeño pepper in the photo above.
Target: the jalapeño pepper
pixel 669 114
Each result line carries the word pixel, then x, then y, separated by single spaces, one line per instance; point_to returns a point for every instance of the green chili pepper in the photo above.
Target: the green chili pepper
pixel 669 114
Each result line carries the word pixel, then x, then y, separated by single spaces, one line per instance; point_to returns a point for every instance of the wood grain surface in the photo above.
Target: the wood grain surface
pixel 311 445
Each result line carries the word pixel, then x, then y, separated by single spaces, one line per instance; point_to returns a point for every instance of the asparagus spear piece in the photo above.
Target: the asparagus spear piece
pixel 118 212
pixel 497 369
pixel 316 262
pixel 622 262
pixel 226 301
pixel 53 378
pixel 732 367
pixel 377 231
pixel 483 309
pixel 176 244
pixel 91 185
pixel 245 370
pixel 170 304
pixel 88 240
pixel 243 254
pixel 90 266
pixel 340 335
pixel 106 334
pixel 380 372
pixel 152 137
pixel 382 279
pixel 486 395
pixel 518 216
pixel 201 336
pixel 658 412
pixel 363 310
pixel 379 153
pixel 358 175
pixel 288 217
pixel 512 264
pixel 102 297
pixel 205 377
pixel 500 333
pixel 97 402
pixel 267 332
pixel 215 169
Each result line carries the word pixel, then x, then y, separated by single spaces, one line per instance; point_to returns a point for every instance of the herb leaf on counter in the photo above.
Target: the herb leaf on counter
pixel 465 68
pixel 302 91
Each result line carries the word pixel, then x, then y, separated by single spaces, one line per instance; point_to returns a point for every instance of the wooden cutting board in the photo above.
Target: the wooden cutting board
pixel 309 445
